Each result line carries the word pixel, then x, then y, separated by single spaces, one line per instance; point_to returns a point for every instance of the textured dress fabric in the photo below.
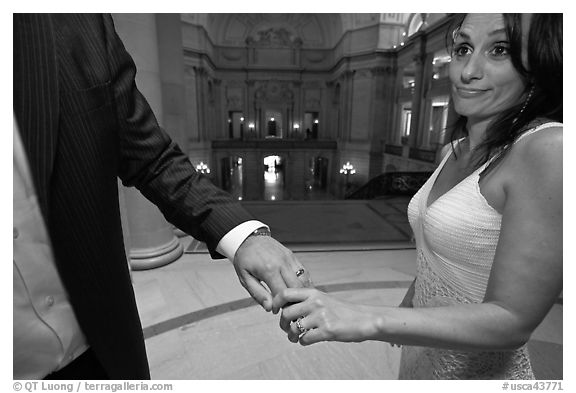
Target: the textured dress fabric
pixel 456 238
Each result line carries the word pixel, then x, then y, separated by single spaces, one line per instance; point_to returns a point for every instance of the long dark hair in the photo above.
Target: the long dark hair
pixel 543 83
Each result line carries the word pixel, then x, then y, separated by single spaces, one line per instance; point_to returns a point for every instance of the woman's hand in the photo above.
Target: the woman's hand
pixel 310 316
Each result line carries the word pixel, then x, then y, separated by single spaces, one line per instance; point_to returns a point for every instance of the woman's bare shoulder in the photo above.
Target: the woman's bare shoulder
pixel 537 158
pixel 541 146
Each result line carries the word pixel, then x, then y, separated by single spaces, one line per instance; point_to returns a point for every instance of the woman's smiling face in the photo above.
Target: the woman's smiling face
pixel 484 81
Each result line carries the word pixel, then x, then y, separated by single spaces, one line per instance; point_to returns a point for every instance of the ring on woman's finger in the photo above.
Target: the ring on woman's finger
pixel 301 328
pixel 299 272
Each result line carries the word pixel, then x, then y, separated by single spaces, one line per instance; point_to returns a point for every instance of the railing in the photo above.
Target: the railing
pixel 391 184
pixel 273 143
pixel 393 149
pixel 422 155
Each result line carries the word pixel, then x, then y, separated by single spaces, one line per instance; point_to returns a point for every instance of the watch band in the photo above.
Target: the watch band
pixel 261 232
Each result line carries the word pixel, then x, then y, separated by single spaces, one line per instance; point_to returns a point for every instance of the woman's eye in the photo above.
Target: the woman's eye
pixel 500 50
pixel 461 50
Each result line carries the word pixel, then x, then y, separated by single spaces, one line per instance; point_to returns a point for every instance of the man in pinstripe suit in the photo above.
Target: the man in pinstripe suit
pixel 80 122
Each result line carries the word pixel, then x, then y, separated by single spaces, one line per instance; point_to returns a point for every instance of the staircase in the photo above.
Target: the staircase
pixel 390 184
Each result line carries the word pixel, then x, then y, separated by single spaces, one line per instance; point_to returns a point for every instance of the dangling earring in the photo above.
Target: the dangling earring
pixel 525 104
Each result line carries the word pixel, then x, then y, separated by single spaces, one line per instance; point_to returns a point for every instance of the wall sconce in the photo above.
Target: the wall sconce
pixel 202 168
pixel 316 121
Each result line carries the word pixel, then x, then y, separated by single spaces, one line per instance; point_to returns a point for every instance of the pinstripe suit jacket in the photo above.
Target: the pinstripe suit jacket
pixel 83 124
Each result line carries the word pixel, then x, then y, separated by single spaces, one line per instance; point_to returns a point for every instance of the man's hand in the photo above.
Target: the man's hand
pixel 263 259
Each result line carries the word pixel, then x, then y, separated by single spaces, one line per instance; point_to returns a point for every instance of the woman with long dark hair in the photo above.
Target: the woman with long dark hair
pixel 487 224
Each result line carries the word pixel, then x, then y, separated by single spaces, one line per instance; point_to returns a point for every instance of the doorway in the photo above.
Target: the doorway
pixel 273 121
pixel 317 184
pixel 274 175
pixel 235 125
pixel 233 176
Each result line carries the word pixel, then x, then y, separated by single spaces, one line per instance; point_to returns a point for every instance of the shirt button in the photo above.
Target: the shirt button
pixel 16 233
pixel 49 301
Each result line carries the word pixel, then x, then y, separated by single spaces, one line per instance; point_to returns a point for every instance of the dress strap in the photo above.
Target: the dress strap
pixel 536 129
pixel 523 135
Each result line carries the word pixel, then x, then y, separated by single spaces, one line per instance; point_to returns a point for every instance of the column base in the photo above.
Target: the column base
pixel 151 258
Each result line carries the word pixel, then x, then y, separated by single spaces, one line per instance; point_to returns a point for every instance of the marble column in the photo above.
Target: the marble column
pixel 151 238
pixel 378 119
pixel 347 80
pixel 201 76
pixel 250 107
pixel 171 67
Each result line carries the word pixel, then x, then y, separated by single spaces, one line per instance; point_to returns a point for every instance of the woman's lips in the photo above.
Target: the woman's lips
pixel 469 93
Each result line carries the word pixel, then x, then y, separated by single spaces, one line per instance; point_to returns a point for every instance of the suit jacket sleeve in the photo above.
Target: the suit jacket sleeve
pixel 153 163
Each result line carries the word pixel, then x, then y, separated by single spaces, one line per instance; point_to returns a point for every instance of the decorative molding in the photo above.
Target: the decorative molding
pixel 364 73
pixel 232 54
pixel 312 104
pixel 274 91
pixel 274 37
pixel 348 74
pixel 315 56
pixel 383 70
pixel 234 99
pixel 199 70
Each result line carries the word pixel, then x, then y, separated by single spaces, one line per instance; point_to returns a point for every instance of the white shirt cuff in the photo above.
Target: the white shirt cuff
pixel 231 241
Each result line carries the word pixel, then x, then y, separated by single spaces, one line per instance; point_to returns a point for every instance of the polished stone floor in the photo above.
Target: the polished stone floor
pixel 200 324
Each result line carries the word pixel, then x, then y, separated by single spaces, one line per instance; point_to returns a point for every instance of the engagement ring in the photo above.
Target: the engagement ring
pixel 299 326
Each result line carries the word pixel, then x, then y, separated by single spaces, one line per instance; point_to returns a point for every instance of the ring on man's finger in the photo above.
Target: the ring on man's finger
pixel 301 328
pixel 299 272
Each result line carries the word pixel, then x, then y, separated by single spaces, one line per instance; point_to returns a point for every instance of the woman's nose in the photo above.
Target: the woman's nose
pixel 474 67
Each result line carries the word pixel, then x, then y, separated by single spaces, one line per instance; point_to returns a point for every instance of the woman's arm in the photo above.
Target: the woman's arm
pixel 525 281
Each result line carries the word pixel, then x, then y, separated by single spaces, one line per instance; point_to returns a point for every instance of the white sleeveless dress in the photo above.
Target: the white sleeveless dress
pixel 456 238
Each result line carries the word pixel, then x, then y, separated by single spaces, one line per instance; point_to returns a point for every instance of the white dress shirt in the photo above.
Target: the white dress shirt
pixel 46 333
pixel 231 241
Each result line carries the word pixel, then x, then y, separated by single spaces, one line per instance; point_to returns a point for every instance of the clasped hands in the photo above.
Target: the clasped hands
pixel 279 282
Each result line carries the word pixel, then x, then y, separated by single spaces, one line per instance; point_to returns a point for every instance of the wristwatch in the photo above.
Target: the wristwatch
pixel 261 232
